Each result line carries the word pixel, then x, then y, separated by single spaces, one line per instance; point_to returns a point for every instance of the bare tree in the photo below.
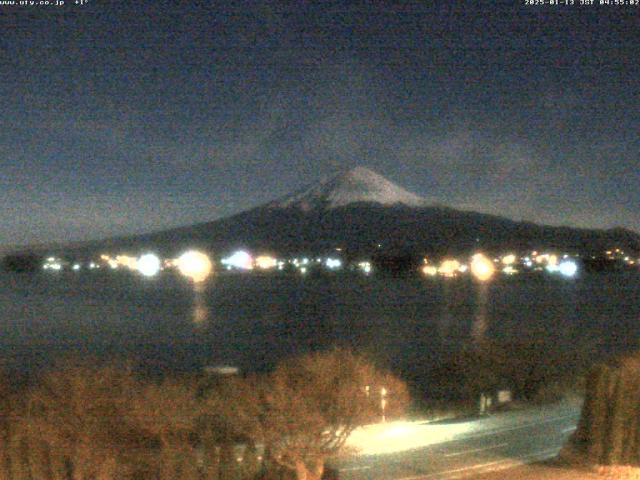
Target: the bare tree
pixel 305 410
pixel 169 412
pixel 75 423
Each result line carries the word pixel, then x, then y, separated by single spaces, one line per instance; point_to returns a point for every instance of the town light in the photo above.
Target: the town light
pixel 195 265
pixel 449 268
pixel 333 263
pixel 239 259
pixel 365 267
pixel 127 261
pixel 148 264
pixel 481 267
pixel 430 270
pixel 568 268
pixel 509 259
pixel 265 262
pixel 509 270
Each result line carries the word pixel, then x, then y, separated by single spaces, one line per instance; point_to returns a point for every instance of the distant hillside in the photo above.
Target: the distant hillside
pixel 357 211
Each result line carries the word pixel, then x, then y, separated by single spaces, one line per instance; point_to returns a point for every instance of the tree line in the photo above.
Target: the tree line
pixel 81 421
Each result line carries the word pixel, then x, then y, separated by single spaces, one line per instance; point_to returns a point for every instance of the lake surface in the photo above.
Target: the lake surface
pixel 251 321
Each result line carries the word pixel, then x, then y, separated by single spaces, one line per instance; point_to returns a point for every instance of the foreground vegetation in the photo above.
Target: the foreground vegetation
pixel 609 429
pixel 80 422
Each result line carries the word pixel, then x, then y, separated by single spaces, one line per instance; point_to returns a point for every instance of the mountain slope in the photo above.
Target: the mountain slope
pixel 359 210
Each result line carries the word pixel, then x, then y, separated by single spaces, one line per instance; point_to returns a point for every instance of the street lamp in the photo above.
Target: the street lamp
pixel 383 402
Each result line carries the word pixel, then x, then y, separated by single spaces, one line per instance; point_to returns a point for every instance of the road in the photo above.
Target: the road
pixel 458 449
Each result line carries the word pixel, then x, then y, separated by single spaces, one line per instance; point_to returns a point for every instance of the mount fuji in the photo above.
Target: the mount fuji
pixel 359 185
pixel 363 213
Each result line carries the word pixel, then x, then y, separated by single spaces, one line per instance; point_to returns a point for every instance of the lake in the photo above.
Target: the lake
pixel 252 321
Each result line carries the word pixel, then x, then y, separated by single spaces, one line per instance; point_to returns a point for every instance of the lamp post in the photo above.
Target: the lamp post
pixel 383 403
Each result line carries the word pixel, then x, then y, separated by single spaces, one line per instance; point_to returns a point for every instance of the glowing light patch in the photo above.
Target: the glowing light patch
pixel 568 268
pixel 239 259
pixel 430 270
pixel 195 265
pixel 449 268
pixel 481 267
pixel 365 267
pixel 398 436
pixel 333 263
pixel 265 262
pixel 127 261
pixel 148 265
pixel 552 268
pixel 509 259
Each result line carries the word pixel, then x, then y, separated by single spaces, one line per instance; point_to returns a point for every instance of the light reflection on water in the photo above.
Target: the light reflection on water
pixel 254 320
pixel 480 318
pixel 201 311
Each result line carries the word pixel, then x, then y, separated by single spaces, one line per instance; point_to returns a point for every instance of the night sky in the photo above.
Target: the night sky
pixel 124 117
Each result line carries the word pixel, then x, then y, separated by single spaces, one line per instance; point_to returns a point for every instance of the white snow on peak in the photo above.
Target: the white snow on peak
pixel 357 185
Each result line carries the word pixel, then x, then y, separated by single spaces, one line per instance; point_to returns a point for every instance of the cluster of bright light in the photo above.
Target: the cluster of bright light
pixel 333 263
pixel 195 265
pixel 52 263
pixel 126 261
pixel 615 253
pixel 449 268
pixel 481 267
pixel 265 262
pixel 430 270
pixel 300 261
pixel 509 259
pixel 509 270
pixel 241 260
pixel 148 264
pixel 365 267
pixel 120 261
pixel 549 259
pixel 620 255
pixel 109 261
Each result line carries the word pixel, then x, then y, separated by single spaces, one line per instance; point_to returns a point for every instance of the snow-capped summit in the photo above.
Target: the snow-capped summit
pixel 357 185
